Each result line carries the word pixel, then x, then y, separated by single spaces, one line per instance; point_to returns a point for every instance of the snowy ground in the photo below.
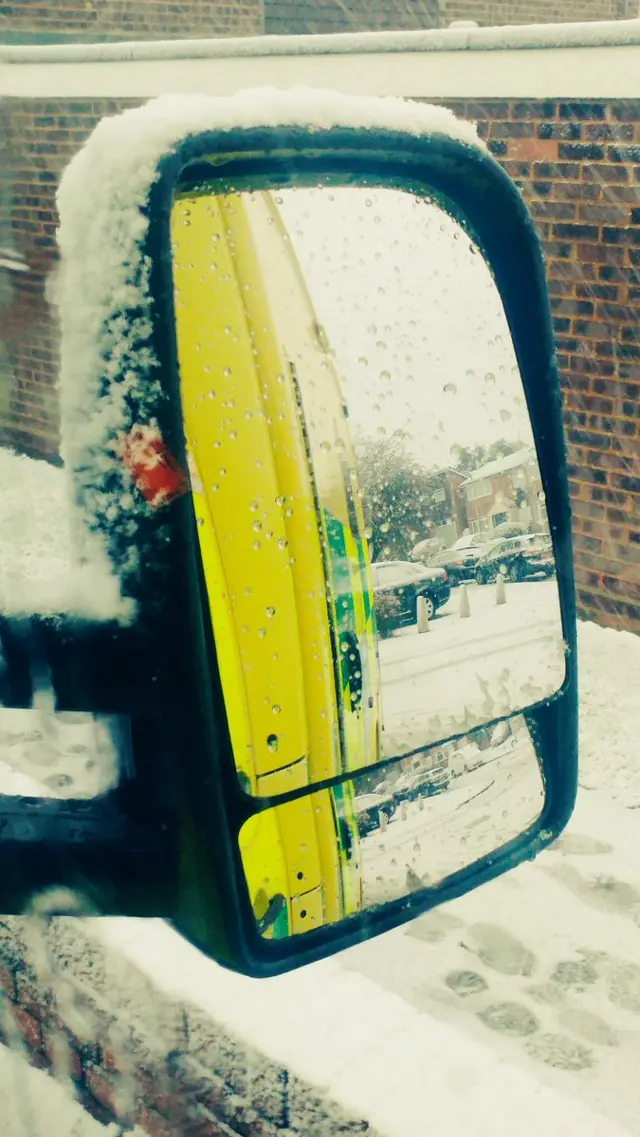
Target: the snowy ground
pixel 33 1105
pixel 464 672
pixel 514 1009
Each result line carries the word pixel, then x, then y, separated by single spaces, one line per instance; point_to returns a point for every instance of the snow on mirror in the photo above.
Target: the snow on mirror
pixel 371 514
pixel 381 836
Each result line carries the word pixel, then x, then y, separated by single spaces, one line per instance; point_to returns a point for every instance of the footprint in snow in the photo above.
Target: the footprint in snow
pixel 559 1051
pixel 433 926
pixel 509 1018
pixel 605 893
pixel 575 845
pixel 499 949
pixel 588 1026
pixel 465 983
pixel 574 974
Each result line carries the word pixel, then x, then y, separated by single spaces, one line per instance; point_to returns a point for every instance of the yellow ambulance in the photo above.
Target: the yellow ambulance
pixel 284 550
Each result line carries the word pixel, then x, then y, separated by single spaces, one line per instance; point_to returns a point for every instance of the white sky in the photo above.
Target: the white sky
pixel 414 317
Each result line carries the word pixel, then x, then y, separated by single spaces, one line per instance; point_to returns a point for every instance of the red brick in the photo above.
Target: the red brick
pixel 7 981
pixel 103 1087
pixel 153 1123
pixel 603 174
pixel 29 1028
pixel 601 254
pixel 533 149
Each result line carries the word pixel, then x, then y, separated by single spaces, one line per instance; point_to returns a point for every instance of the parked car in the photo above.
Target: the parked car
pixel 466 758
pixel 425 782
pixel 461 559
pixel 396 588
pixel 368 807
pixel 517 558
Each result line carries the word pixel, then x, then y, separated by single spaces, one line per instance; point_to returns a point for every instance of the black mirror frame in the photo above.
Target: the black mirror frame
pixel 475 189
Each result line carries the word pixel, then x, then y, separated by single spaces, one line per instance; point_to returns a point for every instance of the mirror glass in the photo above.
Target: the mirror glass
pixel 372 521
pixel 383 835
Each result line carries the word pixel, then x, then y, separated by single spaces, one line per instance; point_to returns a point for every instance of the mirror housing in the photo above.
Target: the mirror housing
pixel 182 803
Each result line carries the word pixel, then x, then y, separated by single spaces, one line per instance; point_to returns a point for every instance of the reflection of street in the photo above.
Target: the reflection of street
pixel 466 671
pixel 428 840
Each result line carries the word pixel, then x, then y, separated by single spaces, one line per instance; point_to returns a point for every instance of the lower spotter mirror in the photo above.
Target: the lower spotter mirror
pixel 318 603
pixel 393 836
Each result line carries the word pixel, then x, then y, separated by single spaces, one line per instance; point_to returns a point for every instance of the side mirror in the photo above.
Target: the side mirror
pixel 298 347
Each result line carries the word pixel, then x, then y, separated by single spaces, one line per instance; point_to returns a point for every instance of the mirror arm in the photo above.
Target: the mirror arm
pixel 89 665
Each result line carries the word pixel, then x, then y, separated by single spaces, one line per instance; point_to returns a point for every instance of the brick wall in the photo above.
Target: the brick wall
pixel 104 20
pixel 294 17
pixel 132 1054
pixel 578 166
pixel 298 17
pixel 41 138
pixel 494 13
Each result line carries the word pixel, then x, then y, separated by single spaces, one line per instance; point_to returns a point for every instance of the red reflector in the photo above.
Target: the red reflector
pixel 154 470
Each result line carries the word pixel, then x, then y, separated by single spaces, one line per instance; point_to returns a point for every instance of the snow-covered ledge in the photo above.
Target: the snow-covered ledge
pixel 581 60
pixel 162 1036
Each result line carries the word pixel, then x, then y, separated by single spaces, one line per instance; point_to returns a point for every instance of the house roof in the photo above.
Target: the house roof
pixel 502 465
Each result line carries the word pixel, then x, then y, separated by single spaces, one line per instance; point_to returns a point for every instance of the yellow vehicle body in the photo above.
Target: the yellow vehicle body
pixel 285 593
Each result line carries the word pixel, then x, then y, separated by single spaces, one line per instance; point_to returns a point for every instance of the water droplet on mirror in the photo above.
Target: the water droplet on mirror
pixel 490 378
pixel 276 709
pixel 273 743
pixel 450 389
pixel 271 613
pixel 282 542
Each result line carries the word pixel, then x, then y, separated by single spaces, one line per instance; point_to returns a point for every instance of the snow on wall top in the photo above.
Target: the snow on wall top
pixel 109 376
pixel 597 33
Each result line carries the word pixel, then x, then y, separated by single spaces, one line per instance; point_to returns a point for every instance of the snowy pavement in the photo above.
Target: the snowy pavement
pixel 514 1009
pixel 509 1010
pixel 467 671
pixel 543 965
